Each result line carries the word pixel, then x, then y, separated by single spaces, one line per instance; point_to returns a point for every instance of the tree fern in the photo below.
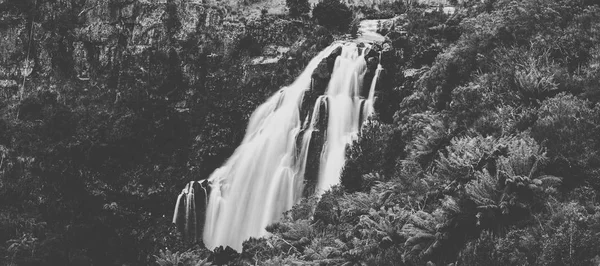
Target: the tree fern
pixel 534 78
pixel 461 159
pixel 421 236
pixel 187 258
pixel 167 258
pixel 428 133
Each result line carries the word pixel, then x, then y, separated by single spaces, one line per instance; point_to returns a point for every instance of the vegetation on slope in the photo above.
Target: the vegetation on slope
pixel 484 149
pixel 125 103
pixel 486 154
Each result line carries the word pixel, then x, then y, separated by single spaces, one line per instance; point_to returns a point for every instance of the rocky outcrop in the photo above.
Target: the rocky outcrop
pixel 122 49
pixel 90 40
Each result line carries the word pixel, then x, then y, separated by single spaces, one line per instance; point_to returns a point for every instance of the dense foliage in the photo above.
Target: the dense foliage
pixel 96 147
pixel 333 14
pixel 484 149
pixel 298 7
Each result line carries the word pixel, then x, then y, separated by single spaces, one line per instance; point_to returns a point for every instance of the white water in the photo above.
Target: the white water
pixel 368 30
pixel 344 114
pixel 369 109
pixel 265 175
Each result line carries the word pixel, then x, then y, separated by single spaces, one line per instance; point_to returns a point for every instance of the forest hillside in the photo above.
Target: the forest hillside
pixel 484 149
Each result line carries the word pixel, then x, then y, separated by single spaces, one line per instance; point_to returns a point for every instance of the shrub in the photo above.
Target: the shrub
pixel 370 153
pixel 429 133
pixel 569 128
pixel 298 7
pixel 573 237
pixel 170 258
pixel 333 14
pixel 354 25
pixel 513 249
pixel 328 209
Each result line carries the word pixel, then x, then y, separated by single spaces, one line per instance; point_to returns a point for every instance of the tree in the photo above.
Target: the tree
pixel 298 7
pixel 333 14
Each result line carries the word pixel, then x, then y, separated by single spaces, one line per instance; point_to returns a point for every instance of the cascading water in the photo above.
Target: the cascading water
pixel 369 109
pixel 343 94
pixel 265 175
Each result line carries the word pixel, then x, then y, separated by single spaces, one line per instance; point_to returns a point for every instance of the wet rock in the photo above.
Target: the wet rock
pixel 322 71
pixel 314 155
pixel 374 51
pixel 325 67
pixel 334 54
pixel 372 62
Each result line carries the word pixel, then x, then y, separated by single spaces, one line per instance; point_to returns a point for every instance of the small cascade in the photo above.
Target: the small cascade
pixel 268 173
pixel 307 136
pixel 369 110
pixel 189 209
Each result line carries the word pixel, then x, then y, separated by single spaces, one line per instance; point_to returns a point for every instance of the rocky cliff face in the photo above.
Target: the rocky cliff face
pixel 103 42
pixel 90 40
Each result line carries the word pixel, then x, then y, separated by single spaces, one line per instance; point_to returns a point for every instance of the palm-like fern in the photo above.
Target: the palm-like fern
pixel 384 223
pixel 461 160
pixel 534 78
pixel 512 185
pixel 168 258
pixel 188 258
pixel 433 136
pixel 203 262
pixel 524 157
pixel 422 237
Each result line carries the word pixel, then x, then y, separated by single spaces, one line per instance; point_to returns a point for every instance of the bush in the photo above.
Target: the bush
pixel 573 236
pixel 569 128
pixel 170 258
pixel 333 14
pixel 516 248
pixel 428 134
pixel 298 7
pixel 374 151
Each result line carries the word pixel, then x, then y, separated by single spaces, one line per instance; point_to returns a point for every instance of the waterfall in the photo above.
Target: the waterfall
pixel 191 208
pixel 344 114
pixel 369 110
pixel 265 176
